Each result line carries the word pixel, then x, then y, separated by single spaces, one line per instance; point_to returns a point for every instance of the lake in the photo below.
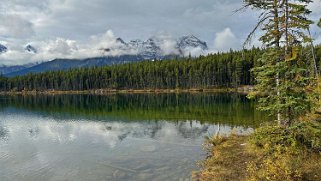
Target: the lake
pixel 115 137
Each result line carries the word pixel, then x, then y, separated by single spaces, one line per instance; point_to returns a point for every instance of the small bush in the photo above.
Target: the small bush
pixel 285 153
pixel 307 134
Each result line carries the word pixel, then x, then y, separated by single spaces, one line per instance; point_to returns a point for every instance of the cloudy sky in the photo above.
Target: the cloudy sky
pixel 69 28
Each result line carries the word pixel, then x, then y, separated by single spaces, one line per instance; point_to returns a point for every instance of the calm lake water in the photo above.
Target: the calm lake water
pixel 114 137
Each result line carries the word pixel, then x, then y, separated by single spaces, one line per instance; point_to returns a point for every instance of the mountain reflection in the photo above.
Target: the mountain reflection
pixel 87 137
pixel 109 133
pixel 3 132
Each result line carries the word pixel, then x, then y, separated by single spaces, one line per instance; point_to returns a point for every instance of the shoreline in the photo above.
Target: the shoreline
pixel 241 90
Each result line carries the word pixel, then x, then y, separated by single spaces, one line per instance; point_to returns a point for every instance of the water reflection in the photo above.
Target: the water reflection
pixel 3 132
pixel 35 128
pixel 118 137
pixel 231 109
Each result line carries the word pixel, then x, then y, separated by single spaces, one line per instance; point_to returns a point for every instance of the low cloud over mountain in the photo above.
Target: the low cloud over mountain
pixel 106 44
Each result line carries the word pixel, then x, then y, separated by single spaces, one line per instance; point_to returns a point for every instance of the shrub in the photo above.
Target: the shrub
pixel 284 153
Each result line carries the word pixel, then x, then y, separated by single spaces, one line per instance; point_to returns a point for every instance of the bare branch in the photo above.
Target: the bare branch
pixel 252 33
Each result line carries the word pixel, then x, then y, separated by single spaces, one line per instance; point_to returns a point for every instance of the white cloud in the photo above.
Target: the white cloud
pixel 15 26
pixel 105 40
pixel 94 46
pixel 99 43
pixel 58 48
pixel 315 8
pixel 318 39
pixel 194 52
pixel 26 21
pixel 104 44
pixel 14 57
pixel 169 46
pixel 225 40
pixel 62 46
pixel 78 19
pixel 166 42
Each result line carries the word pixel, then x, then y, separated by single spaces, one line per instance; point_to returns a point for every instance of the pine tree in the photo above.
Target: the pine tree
pixel 284 79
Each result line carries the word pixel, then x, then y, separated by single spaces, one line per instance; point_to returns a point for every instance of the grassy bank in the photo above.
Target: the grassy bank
pixel 272 152
pixel 227 158
pixel 242 89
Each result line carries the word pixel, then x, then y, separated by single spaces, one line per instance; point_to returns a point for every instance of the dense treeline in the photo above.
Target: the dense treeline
pixel 229 69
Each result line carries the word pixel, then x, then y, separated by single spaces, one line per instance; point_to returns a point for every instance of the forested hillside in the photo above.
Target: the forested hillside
pixel 229 69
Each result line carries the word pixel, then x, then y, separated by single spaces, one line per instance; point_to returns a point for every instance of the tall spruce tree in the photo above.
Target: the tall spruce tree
pixel 284 82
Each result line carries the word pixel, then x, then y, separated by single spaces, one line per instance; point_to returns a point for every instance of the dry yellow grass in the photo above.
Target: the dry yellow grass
pixel 235 158
pixel 227 161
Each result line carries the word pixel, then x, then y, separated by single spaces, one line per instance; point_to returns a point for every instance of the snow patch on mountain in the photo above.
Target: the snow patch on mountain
pixel 157 47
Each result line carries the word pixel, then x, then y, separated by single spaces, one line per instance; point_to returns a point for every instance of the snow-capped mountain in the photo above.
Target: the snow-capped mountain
pixel 191 42
pixel 30 49
pixel 151 50
pixel 136 44
pixel 154 48
pixel 120 52
pixel 3 49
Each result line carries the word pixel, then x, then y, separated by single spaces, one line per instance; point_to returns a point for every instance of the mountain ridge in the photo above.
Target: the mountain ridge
pixel 151 49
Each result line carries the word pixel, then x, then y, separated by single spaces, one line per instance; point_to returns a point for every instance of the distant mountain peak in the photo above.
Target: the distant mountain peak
pixel 152 47
pixel 30 49
pixel 191 41
pixel 135 43
pixel 119 40
pixel 190 37
pixel 3 49
pixel 151 50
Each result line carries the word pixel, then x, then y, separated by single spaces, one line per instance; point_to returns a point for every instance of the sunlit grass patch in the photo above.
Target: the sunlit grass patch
pixel 227 159
pixel 272 152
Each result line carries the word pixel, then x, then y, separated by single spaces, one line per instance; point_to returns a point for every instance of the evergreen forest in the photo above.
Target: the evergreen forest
pixel 220 70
